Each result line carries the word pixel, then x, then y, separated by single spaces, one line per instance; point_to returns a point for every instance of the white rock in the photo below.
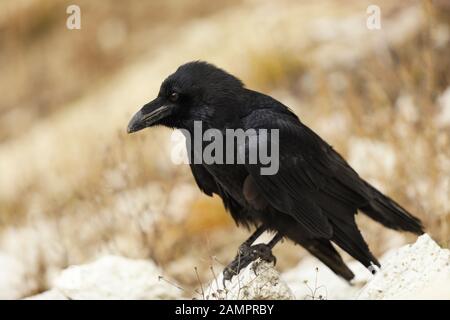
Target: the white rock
pixel 52 294
pixel 417 271
pixel 258 281
pixel 114 277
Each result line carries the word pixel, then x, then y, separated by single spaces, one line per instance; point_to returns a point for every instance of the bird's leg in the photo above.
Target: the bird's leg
pixel 234 266
pixel 248 253
pixel 247 243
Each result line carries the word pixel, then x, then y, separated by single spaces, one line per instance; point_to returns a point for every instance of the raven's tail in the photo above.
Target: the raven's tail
pixel 390 214
pixel 325 252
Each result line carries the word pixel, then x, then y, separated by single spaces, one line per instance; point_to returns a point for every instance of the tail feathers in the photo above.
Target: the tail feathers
pixel 390 214
pixel 349 238
pixel 325 252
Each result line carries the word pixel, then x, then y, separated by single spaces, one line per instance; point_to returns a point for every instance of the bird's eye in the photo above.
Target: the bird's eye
pixel 173 96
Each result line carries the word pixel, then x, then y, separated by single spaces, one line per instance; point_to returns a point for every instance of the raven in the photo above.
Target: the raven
pixel 313 197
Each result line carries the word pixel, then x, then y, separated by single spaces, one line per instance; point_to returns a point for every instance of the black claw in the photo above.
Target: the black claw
pixel 246 255
pixel 243 248
pixel 228 274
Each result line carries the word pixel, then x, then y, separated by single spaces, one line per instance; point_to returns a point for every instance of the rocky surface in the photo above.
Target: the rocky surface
pixel 53 294
pixel 112 277
pixel 258 281
pixel 416 271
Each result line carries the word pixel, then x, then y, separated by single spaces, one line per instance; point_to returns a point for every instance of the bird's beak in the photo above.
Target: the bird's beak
pixel 149 115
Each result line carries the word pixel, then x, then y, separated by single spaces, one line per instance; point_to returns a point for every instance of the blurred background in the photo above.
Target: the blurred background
pixel 74 186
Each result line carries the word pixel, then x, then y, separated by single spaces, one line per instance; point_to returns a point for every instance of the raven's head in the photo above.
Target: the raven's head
pixel 197 91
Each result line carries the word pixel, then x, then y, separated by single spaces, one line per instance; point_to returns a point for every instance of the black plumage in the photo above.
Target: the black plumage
pixel 311 200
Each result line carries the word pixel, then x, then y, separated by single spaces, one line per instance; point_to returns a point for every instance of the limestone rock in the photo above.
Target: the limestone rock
pixel 114 277
pixel 52 294
pixel 258 281
pixel 417 271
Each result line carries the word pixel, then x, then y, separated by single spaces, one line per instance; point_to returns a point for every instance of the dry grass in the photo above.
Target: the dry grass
pixel 54 66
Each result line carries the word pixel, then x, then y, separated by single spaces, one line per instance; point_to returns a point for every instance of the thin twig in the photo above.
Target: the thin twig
pixel 171 283
pixel 201 285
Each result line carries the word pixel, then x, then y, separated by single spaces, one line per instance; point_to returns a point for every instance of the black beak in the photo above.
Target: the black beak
pixel 149 115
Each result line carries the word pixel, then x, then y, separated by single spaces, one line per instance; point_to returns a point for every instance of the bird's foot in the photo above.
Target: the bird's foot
pixel 246 255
